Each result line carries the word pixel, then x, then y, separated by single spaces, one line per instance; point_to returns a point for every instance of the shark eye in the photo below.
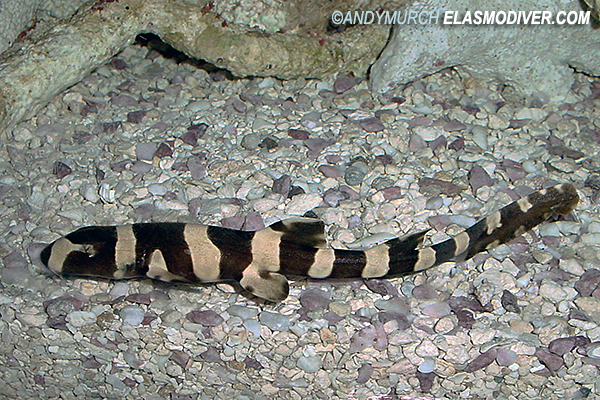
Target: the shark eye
pixel 88 249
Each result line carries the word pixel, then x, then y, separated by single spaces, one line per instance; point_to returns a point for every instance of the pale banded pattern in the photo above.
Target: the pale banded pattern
pixel 378 262
pixel 323 264
pixel 157 268
pixel 426 259
pixel 261 261
pixel 265 250
pixel 124 250
pixel 205 255
pixel 60 250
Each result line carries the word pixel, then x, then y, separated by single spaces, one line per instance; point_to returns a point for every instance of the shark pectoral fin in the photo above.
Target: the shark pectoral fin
pixel 266 285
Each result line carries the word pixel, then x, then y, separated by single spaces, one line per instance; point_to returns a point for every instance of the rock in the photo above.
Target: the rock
pixel 179 357
pixel 364 373
pixel 454 126
pixel 243 312
pixel 253 222
pixel 372 124
pixel 62 305
pixel 250 141
pixel 381 286
pixel 268 143
pixel 146 151
pixel 124 100
pixel 481 361
pixel 427 366
pixel 416 143
pixel 459 144
pixel 309 364
pixel 509 302
pixel 282 184
pixel 60 169
pixel 437 143
pixel 136 117
pixel 491 55
pixel 299 134
pixel 261 124
pixel 424 292
pixel 344 83
pixel 194 132
pixel 551 361
pixel 367 337
pixel 356 172
pixel 239 106
pixel 588 282
pixel 196 167
pixel 333 197
pixel 392 193
pixel 382 182
pixel 316 145
pixel 140 298
pixel 132 315
pixel 434 186
pixel 436 310
pixel 314 299
pixel 274 321
pixel 302 203
pixel 81 318
pixel 562 346
pixel 478 177
pixel 506 357
pixel 331 171
pixel 425 381
pixel 205 317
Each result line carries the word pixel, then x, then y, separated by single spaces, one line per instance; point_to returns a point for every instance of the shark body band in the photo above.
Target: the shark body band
pixel 261 261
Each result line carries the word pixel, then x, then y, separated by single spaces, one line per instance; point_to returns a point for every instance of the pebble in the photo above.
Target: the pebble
pixel 205 317
pixel 562 346
pixel 551 361
pixel 478 178
pixel 157 189
pixel 261 124
pixel 344 83
pixel 61 170
pixel 356 172
pixel 454 126
pixel 146 151
pixel 274 321
pixel 427 366
pixel 251 141
pixel 331 171
pixel 506 357
pixel 119 289
pixel 81 318
pixel 436 310
pixel 132 315
pixel 364 373
pixel 481 361
pixel 198 105
pixel 299 134
pixel 302 203
pixel 372 124
pixel 282 185
pixel 309 364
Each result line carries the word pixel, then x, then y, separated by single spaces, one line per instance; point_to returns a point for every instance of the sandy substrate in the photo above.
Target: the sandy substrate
pixel 128 144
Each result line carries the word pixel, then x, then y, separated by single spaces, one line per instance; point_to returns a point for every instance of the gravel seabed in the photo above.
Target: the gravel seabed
pixel 127 144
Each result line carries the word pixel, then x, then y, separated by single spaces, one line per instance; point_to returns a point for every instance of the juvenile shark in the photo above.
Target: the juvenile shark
pixel 262 261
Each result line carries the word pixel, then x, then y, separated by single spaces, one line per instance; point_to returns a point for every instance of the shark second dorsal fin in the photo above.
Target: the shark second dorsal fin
pixel 301 231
